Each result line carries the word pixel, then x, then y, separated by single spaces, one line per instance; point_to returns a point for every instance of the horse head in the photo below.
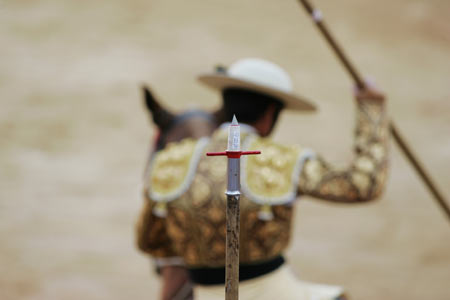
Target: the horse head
pixel 174 127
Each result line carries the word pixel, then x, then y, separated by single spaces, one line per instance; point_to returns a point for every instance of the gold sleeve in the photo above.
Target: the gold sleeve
pixel 365 178
pixel 151 232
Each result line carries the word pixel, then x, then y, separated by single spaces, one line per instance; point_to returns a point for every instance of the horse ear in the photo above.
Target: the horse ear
pixel 161 116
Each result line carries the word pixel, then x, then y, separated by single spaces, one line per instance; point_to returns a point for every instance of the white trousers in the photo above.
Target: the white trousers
pixel 280 284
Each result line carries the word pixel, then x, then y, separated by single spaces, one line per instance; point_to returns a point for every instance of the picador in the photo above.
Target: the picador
pixel 183 222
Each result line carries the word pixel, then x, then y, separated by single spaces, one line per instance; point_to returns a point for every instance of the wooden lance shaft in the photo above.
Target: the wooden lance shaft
pixel 232 237
pixel 317 17
pixel 233 154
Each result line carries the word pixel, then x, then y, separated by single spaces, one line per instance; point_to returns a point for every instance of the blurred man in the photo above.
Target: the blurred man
pixel 184 216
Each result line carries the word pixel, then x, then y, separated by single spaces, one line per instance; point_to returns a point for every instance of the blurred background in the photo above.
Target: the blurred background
pixel 75 135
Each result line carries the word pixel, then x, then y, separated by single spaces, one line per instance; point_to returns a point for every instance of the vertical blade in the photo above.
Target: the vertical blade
pixel 234 136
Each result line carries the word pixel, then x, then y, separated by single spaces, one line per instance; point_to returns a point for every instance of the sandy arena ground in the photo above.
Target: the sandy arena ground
pixel 74 135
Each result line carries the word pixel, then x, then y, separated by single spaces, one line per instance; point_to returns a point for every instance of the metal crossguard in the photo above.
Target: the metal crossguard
pixel 234 154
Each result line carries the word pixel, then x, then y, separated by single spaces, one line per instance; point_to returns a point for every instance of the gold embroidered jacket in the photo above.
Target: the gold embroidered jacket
pixel 184 213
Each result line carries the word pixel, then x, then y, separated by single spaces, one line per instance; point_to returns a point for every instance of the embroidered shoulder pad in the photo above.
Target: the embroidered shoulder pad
pixel 272 177
pixel 173 169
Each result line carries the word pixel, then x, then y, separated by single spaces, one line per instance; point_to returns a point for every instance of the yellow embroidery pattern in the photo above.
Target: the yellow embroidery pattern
pixel 174 168
pixel 271 178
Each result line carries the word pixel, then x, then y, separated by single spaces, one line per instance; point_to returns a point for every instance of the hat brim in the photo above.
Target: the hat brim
pixel 291 101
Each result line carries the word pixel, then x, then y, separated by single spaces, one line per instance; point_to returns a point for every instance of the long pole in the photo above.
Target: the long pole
pixel 317 17
pixel 232 237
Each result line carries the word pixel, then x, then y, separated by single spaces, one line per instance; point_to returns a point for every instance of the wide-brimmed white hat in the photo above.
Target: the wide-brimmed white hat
pixel 260 76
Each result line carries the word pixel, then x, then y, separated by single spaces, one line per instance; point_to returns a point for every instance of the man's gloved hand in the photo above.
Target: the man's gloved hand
pixel 369 93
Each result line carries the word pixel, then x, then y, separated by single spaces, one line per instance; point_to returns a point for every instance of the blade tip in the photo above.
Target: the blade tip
pixel 234 122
